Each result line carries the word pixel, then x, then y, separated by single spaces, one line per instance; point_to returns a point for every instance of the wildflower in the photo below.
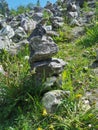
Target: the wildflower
pixel 44 112
pixel 89 125
pixel 39 128
pixel 26 57
pixel 51 127
pixel 21 65
pixel 78 95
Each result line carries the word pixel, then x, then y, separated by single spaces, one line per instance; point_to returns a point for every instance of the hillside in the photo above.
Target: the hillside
pixel 49 67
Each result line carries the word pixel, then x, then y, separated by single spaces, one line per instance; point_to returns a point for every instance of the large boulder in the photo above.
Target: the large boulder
pixel 54 98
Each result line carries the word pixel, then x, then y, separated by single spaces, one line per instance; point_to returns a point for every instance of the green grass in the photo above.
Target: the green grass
pixel 20 100
pixel 90 38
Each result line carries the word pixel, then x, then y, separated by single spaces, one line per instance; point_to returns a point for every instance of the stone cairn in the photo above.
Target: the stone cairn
pixel 42 49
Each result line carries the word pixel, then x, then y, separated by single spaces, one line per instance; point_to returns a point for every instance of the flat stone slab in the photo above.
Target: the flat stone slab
pixel 48 68
pixel 42 48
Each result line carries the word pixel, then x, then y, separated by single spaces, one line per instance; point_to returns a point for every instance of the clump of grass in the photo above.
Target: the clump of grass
pixel 65 35
pixel 90 38
pixel 73 117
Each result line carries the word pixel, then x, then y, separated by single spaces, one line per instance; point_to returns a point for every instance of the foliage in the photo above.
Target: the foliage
pixel 74 118
pixel 86 8
pixel 96 11
pixel 21 9
pixel 38 3
pixel 3 7
pixel 46 14
pixel 91 36
pixel 64 34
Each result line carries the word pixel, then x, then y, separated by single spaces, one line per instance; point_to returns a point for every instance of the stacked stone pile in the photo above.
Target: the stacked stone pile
pixel 47 69
pixel 76 16
pixel 14 31
pixel 42 49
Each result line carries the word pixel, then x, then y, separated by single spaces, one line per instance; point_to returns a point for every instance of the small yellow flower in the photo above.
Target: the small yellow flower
pixel 44 112
pixel 78 95
pixel 51 127
pixel 39 128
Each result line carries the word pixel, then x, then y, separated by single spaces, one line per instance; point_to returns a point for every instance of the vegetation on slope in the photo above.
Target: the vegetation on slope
pixel 20 101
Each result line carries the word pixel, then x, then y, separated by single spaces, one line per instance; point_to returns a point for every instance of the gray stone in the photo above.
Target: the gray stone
pixel 54 98
pixel 49 83
pixel 5 43
pixel 1 17
pixel 97 54
pixel 77 31
pixel 95 67
pixel 73 14
pixel 52 33
pixel 28 24
pixel 71 6
pixel 2 70
pixel 75 22
pixel 84 104
pixel 13 50
pixel 7 31
pixel 37 16
pixel 48 68
pixel 57 22
pixel 20 34
pixel 38 9
pixel 57 65
pixel 89 16
pixel 38 31
pixel 93 97
pixel 14 23
pixel 49 5
pixel 80 2
pixel 48 28
pixel 92 3
pixel 58 19
pixel 42 49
